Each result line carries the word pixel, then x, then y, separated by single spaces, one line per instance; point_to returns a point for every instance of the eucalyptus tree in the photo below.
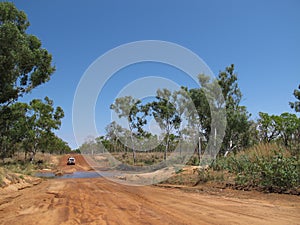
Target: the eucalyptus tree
pixel 52 144
pixel 217 102
pixel 112 136
pixel 130 108
pixel 24 64
pixel 284 128
pixel 237 116
pixel 269 127
pixel 212 113
pixel 290 128
pixel 202 119
pixel 41 120
pixel 190 127
pixel 166 115
pixel 13 125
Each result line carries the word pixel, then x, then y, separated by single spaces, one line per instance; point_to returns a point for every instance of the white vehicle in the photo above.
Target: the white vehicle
pixel 71 161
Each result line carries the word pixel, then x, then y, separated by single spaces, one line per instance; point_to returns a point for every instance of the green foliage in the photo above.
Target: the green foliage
pixel 77 151
pixel 269 126
pixel 166 114
pixel 13 127
pixel 203 116
pixel 164 111
pixel 237 129
pixel 131 109
pixel 276 170
pixel 211 98
pixel 41 120
pixel 284 128
pixel 170 109
pixel 194 161
pixel 296 105
pixel 24 64
pixel 52 144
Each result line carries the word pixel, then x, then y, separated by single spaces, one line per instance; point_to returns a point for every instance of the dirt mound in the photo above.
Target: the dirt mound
pixel 13 182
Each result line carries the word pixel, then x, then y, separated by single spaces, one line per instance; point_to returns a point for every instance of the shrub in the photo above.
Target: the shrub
pixel 263 167
pixel 193 161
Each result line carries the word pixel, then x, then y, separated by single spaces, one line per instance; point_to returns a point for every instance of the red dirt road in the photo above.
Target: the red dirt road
pixel 80 164
pixel 99 201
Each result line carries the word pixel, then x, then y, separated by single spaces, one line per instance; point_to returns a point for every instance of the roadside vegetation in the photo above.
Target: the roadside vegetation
pixel 267 167
pixel 16 169
pixel 262 153
pixel 26 127
pixel 263 167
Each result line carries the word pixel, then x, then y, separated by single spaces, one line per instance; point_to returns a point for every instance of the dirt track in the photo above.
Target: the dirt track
pixel 99 201
pixel 80 165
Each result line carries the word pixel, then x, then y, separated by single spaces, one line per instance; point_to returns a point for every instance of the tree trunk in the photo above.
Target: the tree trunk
pixel 167 148
pixel 134 156
pixel 132 146
pixel 199 149
pixel 180 147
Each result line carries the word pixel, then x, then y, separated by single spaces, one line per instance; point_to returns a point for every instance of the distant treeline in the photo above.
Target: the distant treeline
pixel 171 109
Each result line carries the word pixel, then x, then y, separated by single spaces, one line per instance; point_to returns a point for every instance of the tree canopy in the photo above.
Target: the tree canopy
pixel 296 105
pixel 172 111
pixel 24 64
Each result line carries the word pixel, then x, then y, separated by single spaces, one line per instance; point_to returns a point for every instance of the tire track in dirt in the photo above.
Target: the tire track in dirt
pixel 101 201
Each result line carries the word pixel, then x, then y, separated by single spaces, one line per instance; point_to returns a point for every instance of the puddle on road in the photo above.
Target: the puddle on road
pixel 79 174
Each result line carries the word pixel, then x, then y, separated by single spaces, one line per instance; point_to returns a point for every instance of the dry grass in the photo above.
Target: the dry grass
pixel 265 150
pixel 18 164
pixel 142 158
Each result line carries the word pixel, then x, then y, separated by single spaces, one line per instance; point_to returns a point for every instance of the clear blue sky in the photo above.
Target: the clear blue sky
pixel 260 37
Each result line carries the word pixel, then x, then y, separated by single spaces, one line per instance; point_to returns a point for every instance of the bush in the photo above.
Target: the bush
pixel 279 171
pixel 272 169
pixel 194 161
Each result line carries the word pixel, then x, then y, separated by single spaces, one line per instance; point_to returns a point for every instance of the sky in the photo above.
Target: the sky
pixel 260 37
